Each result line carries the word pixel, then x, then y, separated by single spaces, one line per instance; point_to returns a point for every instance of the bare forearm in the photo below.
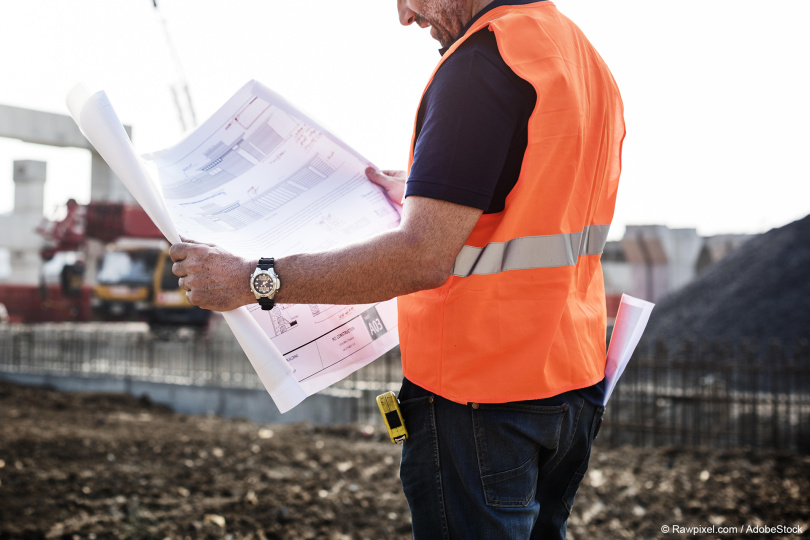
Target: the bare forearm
pixel 385 266
pixel 417 255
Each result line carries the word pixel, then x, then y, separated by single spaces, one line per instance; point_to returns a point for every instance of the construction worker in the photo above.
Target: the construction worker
pixel 511 187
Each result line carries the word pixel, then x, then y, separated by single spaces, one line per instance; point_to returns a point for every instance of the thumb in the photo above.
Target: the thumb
pixel 379 177
pixel 395 174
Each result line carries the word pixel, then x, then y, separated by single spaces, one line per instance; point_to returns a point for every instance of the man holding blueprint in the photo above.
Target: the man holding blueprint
pixel 495 264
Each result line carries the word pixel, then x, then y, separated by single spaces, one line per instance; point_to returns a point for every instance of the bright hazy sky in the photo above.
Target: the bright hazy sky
pixel 716 92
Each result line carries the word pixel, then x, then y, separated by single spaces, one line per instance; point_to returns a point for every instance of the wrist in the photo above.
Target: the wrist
pixel 248 267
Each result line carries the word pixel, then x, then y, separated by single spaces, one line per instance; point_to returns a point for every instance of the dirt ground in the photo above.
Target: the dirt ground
pixel 110 466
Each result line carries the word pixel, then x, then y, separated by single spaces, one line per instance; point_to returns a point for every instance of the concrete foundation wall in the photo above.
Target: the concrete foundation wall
pixel 255 405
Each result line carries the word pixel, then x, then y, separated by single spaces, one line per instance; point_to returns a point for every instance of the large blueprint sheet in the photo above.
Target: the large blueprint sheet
pixel 260 178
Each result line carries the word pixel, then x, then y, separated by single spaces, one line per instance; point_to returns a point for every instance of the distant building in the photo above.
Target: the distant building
pixel 652 261
pixel 717 247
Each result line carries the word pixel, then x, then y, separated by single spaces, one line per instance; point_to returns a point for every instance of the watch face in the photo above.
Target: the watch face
pixel 263 284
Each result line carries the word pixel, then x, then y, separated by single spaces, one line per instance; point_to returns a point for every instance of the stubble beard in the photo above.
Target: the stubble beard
pixel 446 18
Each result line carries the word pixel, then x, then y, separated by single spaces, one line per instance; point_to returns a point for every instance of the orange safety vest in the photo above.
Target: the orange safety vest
pixel 523 314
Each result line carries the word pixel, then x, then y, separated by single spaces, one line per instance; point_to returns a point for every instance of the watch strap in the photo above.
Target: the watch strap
pixel 266 303
pixel 266 263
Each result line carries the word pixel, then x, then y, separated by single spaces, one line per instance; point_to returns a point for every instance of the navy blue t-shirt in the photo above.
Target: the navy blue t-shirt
pixel 471 128
pixel 471 131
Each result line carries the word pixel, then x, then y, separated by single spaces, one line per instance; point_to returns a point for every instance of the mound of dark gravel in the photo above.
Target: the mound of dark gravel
pixel 759 292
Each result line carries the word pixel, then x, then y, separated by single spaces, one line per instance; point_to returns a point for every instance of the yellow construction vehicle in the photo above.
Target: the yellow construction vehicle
pixel 134 279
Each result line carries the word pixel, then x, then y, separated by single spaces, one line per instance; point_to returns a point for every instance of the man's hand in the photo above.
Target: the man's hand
pixel 393 182
pixel 213 278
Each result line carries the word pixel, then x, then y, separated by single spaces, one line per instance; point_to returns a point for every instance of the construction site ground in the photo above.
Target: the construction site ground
pixel 113 466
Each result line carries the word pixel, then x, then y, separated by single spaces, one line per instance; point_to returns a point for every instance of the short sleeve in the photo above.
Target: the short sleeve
pixel 473 114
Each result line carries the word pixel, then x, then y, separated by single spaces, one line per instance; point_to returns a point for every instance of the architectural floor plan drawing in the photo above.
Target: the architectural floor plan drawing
pixel 245 212
pixel 261 178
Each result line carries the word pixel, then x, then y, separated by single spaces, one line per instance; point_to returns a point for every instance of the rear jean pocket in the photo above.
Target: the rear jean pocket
pixel 513 442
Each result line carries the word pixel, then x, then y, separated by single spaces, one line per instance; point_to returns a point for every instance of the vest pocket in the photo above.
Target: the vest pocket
pixel 513 442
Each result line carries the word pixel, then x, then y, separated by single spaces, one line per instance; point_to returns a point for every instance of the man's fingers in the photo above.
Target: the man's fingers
pixel 181 250
pixel 393 182
pixel 178 252
pixel 178 270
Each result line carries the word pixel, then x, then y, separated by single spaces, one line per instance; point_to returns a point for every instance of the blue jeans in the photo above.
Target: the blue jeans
pixel 498 471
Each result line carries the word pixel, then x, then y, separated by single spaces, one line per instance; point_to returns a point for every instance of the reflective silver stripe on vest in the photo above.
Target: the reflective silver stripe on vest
pixel 547 251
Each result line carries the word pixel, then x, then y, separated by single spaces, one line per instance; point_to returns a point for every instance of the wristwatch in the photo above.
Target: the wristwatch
pixel 264 283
